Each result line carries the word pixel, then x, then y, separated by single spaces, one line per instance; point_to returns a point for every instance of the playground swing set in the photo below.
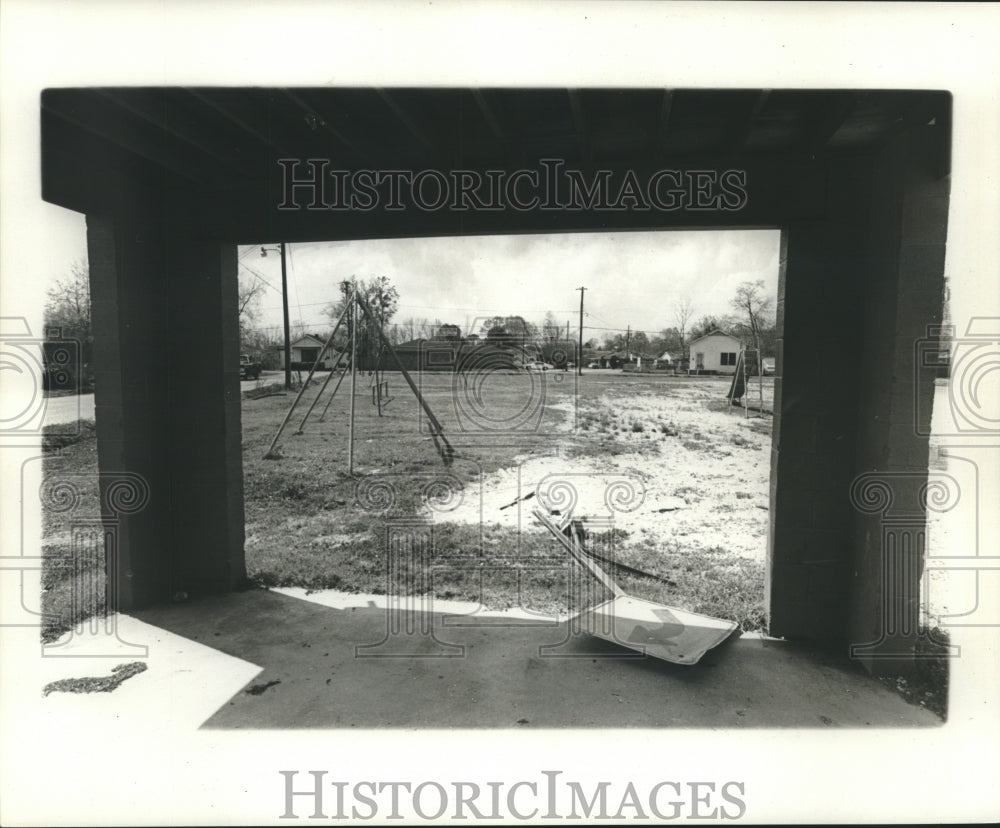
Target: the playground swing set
pixel 355 307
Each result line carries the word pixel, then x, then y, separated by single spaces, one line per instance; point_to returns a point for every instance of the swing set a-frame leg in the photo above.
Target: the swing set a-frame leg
pixel 746 386
pixel 340 379
pixel 322 388
pixel 305 385
pixel 437 432
pixel 358 302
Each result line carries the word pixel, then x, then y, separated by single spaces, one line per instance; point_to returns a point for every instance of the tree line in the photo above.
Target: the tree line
pixel 750 320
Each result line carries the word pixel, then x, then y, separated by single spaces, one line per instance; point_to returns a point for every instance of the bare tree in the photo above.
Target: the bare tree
pixel 682 314
pixel 68 303
pixel 754 306
pixel 297 329
pixel 67 309
pixel 551 328
pixel 400 332
pixel 248 302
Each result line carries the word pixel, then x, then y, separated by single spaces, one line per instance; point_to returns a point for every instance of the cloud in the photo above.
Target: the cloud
pixel 632 278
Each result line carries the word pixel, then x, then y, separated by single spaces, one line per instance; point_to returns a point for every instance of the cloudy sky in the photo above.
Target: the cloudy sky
pixel 632 279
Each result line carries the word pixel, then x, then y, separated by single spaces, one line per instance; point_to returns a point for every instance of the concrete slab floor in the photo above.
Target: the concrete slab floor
pixel 536 676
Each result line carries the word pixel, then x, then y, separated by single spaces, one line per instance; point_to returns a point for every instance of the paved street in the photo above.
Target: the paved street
pixel 68 409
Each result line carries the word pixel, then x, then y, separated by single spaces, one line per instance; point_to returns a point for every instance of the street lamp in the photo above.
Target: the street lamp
pixel 284 307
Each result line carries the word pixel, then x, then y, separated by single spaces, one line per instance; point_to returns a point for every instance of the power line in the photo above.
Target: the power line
pixel 302 305
pixel 627 328
pixel 255 273
pixel 504 311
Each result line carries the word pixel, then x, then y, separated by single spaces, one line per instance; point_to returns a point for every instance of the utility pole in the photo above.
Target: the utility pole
pixel 579 356
pixel 284 309
pixel 628 340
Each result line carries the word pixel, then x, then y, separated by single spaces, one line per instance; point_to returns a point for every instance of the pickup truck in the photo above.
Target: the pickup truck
pixel 249 369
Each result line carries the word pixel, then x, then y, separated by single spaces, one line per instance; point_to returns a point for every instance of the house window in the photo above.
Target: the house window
pixel 728 358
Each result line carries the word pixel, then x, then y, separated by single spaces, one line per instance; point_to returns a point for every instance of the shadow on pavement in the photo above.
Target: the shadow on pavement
pixel 508 676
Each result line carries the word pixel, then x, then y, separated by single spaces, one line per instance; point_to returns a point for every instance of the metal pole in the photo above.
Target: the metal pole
pixel 746 385
pixel 574 546
pixel 378 384
pixel 760 382
pixel 302 391
pixel 579 358
pixel 284 308
pixel 378 363
pixel 326 382
pixel 354 373
pixel 760 377
pixel 437 431
pixel 340 379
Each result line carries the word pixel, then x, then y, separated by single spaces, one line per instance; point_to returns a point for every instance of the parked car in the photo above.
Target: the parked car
pixel 249 368
pixel 768 366
pixel 534 365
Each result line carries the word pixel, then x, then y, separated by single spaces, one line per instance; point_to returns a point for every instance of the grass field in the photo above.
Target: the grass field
pixel 311 524
pixel 694 514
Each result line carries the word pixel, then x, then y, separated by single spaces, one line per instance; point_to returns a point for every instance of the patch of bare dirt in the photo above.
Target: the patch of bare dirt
pixel 669 464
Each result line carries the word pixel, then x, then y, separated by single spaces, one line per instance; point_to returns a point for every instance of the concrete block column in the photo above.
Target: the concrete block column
pixel 813 446
pixel 167 402
pixel 904 298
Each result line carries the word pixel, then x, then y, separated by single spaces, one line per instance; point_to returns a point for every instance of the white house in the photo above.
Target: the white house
pixel 306 350
pixel 715 351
